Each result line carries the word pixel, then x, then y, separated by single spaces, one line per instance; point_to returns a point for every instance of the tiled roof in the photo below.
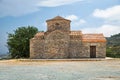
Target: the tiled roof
pixel 93 38
pixel 57 18
pixel 39 34
pixel 76 33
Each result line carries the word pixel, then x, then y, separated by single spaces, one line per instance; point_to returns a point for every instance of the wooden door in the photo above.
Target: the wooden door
pixel 92 51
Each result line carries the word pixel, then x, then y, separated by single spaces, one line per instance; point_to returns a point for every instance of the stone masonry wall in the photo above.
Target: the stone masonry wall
pixel 75 49
pixel 100 49
pixel 56 45
pixel 36 48
pixel 58 25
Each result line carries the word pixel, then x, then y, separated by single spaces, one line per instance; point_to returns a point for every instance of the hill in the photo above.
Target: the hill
pixel 4 56
pixel 113 46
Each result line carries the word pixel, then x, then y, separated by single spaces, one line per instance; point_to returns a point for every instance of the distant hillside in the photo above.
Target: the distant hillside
pixel 4 56
pixel 113 45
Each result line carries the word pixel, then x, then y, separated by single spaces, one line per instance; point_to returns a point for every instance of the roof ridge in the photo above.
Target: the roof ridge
pixel 93 33
pixel 58 18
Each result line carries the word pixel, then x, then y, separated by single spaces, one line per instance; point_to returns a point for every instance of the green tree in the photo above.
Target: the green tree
pixel 18 42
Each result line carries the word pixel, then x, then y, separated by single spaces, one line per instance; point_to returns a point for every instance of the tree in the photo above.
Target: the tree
pixel 18 42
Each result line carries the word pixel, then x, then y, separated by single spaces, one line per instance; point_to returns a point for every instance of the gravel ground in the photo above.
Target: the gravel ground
pixel 60 70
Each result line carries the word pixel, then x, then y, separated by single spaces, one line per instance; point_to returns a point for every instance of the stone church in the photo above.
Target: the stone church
pixel 59 42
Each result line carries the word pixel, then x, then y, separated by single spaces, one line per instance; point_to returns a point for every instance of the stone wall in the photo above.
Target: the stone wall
pixel 36 48
pixel 62 25
pixel 56 45
pixel 75 49
pixel 100 49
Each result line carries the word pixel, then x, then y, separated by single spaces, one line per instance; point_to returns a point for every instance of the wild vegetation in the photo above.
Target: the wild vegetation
pixel 113 46
pixel 18 42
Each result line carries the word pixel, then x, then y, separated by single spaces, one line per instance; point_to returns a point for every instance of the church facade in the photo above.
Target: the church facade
pixel 59 42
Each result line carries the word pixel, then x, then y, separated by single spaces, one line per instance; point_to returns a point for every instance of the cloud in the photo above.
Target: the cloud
pixel 76 21
pixel 111 18
pixel 17 7
pixel 72 17
pixel 54 3
pixel 81 21
pixel 110 15
pixel 22 7
pixel 107 30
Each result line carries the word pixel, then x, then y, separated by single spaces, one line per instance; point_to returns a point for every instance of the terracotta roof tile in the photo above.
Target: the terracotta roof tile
pixel 39 34
pixel 76 33
pixel 57 18
pixel 93 38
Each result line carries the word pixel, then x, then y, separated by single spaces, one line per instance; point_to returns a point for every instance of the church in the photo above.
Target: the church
pixel 59 42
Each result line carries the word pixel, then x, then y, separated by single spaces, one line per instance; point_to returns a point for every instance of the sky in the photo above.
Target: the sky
pixel 89 16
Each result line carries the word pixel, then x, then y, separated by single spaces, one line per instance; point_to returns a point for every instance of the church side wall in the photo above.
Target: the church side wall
pixel 75 49
pixel 100 49
pixel 36 48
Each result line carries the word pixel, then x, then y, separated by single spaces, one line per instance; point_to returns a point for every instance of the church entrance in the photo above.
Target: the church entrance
pixel 92 51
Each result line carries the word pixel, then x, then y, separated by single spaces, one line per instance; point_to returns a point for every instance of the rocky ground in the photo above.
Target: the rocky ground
pixel 60 69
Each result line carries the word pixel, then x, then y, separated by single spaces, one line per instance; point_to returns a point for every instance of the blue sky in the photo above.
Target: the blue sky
pixel 89 16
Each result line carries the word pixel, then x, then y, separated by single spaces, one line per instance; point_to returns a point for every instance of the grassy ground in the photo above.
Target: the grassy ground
pixel 60 70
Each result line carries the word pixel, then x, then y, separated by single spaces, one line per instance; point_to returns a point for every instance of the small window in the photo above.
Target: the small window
pixel 57 26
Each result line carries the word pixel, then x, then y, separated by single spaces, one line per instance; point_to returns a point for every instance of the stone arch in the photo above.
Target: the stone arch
pixel 56 35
